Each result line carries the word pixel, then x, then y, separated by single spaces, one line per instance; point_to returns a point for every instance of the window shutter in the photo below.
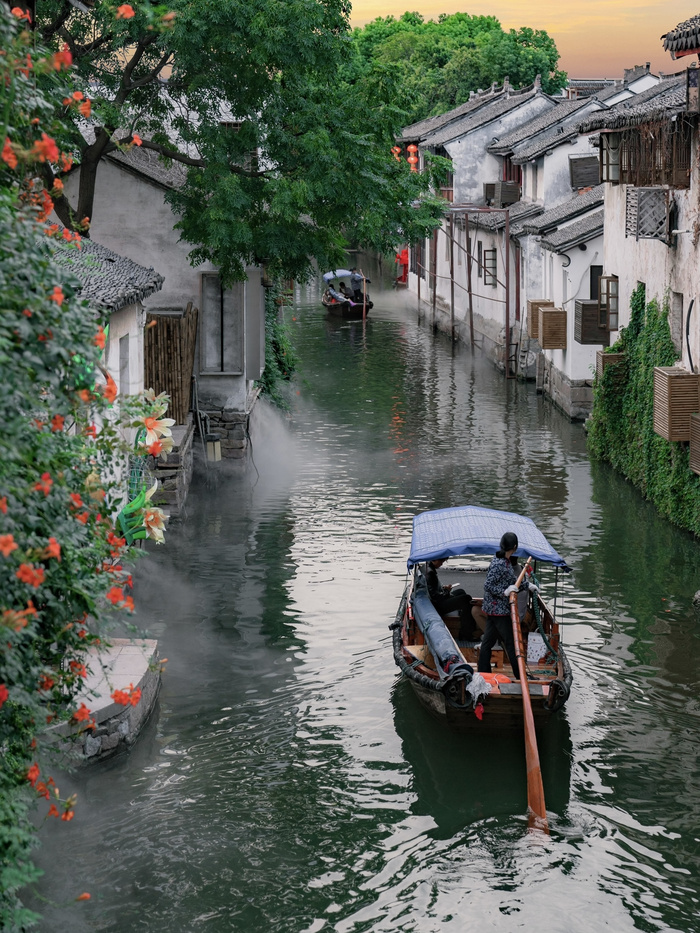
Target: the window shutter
pixel 647 213
pixel 608 302
pixel 584 171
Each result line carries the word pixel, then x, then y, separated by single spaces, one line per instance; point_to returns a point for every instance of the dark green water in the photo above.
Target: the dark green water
pixel 290 783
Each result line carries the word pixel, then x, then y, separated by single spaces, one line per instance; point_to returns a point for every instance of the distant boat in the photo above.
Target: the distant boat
pixel 343 305
pixel 347 308
pixel 443 670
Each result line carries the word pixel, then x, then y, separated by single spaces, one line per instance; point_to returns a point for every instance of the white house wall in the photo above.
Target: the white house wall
pixel 133 218
pixel 555 187
pixel 671 273
pixel 472 165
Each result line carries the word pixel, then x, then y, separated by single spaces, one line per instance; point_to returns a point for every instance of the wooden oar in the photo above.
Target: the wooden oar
pixel 535 790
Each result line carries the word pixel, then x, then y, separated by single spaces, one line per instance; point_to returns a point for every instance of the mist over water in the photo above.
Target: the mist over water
pixel 289 780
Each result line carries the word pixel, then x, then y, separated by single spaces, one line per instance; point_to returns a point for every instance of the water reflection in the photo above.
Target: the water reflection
pixel 290 781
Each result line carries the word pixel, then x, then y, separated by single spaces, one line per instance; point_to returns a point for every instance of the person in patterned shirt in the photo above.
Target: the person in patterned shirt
pixel 500 583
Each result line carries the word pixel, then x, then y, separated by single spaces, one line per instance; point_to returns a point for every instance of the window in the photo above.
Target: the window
pixel 221 327
pixel 512 172
pixel 649 155
pixel 675 320
pixel 124 375
pixel 490 267
pixel 595 273
pixel 479 258
pixel 608 302
pixel 648 213
pixel 417 259
pixel 584 171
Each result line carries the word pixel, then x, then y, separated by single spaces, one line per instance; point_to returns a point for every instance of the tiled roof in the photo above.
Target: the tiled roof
pixel 578 232
pixel 541 122
pixel 607 92
pixel 150 164
pixel 684 37
pixel 418 131
pixel 496 220
pixel 544 143
pixel 109 281
pixel 657 103
pixel 481 117
pixel 579 204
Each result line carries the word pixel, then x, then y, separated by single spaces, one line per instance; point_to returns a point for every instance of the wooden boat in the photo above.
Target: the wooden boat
pixel 347 309
pixel 443 670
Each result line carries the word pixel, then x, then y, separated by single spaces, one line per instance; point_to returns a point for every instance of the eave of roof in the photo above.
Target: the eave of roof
pixel 555 216
pixel 418 131
pixel 482 117
pixel 658 103
pixel 541 122
pixel 684 38
pixel 496 219
pixel 544 144
pixel 580 231
pixel 108 281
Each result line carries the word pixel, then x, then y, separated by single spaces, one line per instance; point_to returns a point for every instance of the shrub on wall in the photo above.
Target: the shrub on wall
pixel 622 422
pixel 280 359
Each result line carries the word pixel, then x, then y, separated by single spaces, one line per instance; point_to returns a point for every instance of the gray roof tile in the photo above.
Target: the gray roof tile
pixel 481 117
pixel 580 204
pixel 541 122
pixel 418 131
pixel 684 36
pixel 544 143
pixel 496 220
pixel 150 164
pixel 109 281
pixel 578 232
pixel 656 103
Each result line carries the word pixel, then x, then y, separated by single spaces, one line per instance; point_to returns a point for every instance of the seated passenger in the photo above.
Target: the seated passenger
pixel 448 598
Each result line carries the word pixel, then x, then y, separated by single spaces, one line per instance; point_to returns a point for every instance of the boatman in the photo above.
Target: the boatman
pixel 356 283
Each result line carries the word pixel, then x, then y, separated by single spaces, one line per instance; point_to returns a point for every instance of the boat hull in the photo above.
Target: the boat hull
pixel 346 309
pixel 500 709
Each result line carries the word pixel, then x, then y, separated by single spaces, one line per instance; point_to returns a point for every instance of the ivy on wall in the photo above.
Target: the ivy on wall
pixel 280 359
pixel 621 428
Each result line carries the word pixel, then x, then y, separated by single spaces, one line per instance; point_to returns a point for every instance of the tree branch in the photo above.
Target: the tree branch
pixel 130 66
pixel 142 82
pixel 61 204
pixel 168 153
pixel 49 31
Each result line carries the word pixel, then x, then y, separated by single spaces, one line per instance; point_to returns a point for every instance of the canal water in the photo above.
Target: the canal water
pixel 289 780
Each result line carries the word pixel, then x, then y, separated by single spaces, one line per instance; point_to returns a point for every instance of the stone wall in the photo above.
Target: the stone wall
pixel 175 473
pixel 124 663
pixel 232 428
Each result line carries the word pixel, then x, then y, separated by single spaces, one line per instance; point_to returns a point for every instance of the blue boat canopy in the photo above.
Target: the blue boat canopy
pixel 469 529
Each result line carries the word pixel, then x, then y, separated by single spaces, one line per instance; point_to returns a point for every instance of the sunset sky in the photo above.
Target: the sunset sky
pixel 595 38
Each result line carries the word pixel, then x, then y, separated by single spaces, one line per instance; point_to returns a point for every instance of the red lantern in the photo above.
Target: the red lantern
pixel 397 152
pixel 413 158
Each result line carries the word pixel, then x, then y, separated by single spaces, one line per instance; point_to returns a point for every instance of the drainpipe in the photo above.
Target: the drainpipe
pixel 507 235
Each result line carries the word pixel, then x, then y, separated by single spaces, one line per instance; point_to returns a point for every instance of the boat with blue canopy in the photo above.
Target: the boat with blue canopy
pixel 339 299
pixel 440 660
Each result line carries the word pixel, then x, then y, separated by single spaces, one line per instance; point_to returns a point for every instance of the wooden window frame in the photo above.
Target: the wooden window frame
pixel 490 260
pixel 609 302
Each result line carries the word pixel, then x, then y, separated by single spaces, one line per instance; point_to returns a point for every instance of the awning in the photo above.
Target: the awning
pixel 472 530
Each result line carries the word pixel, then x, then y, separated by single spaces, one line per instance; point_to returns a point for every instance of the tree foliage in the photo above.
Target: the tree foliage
pixel 437 63
pixel 286 162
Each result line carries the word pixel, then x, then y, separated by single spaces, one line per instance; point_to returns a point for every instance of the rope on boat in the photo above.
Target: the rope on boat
pixel 559 690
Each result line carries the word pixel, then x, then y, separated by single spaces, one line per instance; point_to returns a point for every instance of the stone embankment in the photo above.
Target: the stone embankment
pixel 124 665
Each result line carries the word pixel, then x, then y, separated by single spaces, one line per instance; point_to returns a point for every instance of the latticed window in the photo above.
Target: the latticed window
pixel 655 154
pixel 609 302
pixel 490 268
pixel 648 213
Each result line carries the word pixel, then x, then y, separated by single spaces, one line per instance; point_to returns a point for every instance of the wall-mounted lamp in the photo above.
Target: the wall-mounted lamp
pixel 213 442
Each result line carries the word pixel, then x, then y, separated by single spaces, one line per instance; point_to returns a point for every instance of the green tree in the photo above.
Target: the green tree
pixel 286 162
pixel 437 63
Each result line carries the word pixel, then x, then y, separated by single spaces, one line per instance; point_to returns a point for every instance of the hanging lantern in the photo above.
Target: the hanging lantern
pixel 397 152
pixel 413 158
